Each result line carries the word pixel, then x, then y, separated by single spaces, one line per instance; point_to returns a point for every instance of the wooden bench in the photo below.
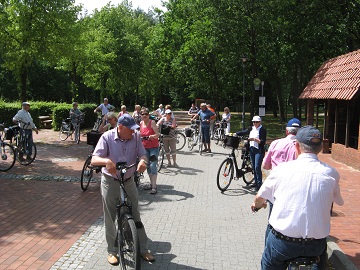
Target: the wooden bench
pixel 45 121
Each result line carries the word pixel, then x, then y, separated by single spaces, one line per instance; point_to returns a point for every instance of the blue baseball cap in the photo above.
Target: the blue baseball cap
pixel 309 135
pixel 294 123
pixel 127 121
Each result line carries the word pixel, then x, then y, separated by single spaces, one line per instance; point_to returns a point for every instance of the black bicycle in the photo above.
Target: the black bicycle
pixel 25 150
pixel 7 152
pixel 195 136
pixel 127 239
pixel 226 170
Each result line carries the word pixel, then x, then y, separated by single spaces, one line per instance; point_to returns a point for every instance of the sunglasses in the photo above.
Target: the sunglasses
pixel 256 121
pixel 144 114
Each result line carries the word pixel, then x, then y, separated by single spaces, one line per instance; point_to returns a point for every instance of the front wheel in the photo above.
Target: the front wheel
pixel 86 174
pixel 128 243
pixel 225 174
pixel 161 157
pixel 248 173
pixel 7 160
pixel 180 141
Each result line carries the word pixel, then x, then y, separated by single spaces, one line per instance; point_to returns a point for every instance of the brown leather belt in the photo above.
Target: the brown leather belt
pixel 291 239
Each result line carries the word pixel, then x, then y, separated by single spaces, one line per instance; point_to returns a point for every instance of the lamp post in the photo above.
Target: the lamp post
pixel 244 59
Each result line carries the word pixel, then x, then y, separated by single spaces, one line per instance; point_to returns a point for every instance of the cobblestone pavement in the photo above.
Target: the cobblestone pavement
pixel 190 223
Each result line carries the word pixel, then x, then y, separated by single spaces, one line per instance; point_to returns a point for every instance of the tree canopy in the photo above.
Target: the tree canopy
pixel 194 49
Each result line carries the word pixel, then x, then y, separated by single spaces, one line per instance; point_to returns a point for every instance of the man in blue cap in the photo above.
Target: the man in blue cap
pixel 302 192
pixel 121 144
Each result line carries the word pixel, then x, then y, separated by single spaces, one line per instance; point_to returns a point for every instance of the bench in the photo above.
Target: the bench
pixel 45 121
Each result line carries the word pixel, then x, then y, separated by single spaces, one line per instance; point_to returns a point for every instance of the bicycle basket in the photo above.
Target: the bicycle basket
pixel 223 125
pixel 11 132
pixel 92 137
pixel 244 145
pixel 232 141
pixel 189 132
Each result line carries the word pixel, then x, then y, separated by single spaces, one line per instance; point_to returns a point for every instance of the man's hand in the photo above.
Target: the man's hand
pixel 141 166
pixel 111 167
pixel 36 131
pixel 255 209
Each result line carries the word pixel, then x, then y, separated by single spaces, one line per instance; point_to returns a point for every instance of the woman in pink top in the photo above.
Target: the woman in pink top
pixel 149 130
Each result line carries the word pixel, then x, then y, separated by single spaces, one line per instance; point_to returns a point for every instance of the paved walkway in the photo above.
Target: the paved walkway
pixel 52 224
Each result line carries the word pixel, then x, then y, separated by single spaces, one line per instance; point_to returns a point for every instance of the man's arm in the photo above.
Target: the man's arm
pixel 106 162
pixel 258 203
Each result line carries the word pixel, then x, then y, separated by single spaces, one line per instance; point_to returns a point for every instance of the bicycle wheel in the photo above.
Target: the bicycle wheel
pixel 248 173
pixel 25 156
pixel 193 141
pixel 7 160
pixel 86 174
pixel 217 135
pixel 190 143
pixel 161 157
pixel 128 243
pixel 180 141
pixel 64 133
pixel 77 134
pixel 225 174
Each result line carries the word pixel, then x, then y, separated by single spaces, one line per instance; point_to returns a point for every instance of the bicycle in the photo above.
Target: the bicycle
pixel 196 136
pixel 97 122
pixel 127 239
pixel 226 170
pixel 66 129
pixel 7 152
pixel 219 131
pixel 88 170
pixel 161 156
pixel 23 147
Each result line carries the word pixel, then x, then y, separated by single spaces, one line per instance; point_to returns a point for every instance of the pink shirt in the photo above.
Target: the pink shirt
pixel 280 150
pixel 147 131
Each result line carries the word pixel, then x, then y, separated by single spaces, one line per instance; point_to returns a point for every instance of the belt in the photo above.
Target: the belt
pixel 124 179
pixel 291 239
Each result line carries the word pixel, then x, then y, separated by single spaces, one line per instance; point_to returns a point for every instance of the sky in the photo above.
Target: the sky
pixel 90 5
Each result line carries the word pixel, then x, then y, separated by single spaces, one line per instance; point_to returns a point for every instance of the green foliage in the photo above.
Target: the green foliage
pixel 10 110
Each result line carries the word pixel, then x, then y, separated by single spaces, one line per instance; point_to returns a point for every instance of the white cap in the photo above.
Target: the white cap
pixel 25 103
pixel 256 119
pixel 167 111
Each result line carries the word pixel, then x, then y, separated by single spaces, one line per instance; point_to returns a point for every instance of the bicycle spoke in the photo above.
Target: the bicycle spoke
pixel 225 174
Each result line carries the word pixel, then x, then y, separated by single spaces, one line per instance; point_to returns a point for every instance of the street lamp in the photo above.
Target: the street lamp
pixel 243 59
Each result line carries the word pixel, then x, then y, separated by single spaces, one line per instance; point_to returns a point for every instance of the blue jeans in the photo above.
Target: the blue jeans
pixel 256 160
pixel 152 165
pixel 205 131
pixel 278 251
pixel 29 134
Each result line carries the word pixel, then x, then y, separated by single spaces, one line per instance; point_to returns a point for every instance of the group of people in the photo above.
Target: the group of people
pixel 300 189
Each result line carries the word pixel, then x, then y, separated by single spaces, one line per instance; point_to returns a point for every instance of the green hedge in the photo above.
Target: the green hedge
pixel 58 111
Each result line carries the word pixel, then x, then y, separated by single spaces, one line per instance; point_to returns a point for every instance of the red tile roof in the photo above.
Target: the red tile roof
pixel 337 78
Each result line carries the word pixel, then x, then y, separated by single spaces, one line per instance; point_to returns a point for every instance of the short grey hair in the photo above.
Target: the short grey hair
pixel 292 130
pixel 305 148
pixel 112 115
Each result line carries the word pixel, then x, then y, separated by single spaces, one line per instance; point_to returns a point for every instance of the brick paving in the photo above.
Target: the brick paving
pixel 52 224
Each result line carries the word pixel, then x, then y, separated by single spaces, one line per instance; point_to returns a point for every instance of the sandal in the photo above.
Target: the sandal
pixel 153 191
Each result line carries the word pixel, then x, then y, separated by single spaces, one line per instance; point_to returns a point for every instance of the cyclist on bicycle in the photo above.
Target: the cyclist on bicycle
pixel 25 121
pixel 122 144
pixel 75 114
pixel 205 116
pixel 104 107
pixel 302 191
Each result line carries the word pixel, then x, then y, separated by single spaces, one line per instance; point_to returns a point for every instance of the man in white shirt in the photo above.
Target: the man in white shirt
pixel 25 121
pixel 302 192
pixel 104 107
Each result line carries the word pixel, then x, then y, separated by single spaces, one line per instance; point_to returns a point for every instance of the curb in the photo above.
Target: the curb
pixel 337 257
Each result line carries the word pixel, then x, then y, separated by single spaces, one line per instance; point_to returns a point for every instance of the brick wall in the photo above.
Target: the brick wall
pixel 348 156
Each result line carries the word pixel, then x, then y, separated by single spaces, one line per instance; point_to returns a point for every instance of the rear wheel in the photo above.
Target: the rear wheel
pixel 161 156
pixel 248 173
pixel 225 174
pixel 180 141
pixel 128 242
pixel 25 153
pixel 86 174
pixel 7 160
pixel 64 132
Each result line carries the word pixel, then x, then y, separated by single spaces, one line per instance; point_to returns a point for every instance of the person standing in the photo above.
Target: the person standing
pixel 205 114
pixel 193 110
pixel 121 144
pixel 75 114
pixel 226 116
pixel 281 150
pixel 257 139
pixel 137 114
pixel 302 192
pixel 24 120
pixel 122 111
pixel 160 111
pixel 108 122
pixel 168 123
pixel 212 120
pixel 104 107
pixel 149 129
